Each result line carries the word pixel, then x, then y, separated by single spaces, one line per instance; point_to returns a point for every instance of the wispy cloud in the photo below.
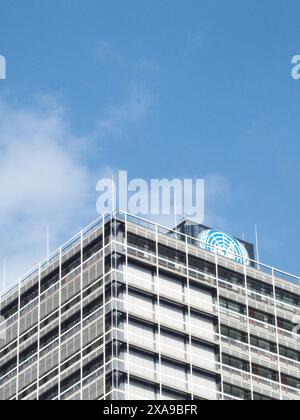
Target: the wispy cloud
pixel 106 53
pixel 147 64
pixel 196 37
pixel 42 181
pixel 45 180
pixel 116 119
pixel 44 173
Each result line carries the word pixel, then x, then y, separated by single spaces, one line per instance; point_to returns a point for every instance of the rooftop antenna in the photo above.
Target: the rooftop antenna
pixel 243 236
pixel 48 241
pixel 175 211
pixel 113 194
pixel 4 275
pixel 2 288
pixel 257 244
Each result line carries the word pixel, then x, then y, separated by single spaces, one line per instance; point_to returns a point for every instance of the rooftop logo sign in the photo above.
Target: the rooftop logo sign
pixel 226 246
pixel 2 67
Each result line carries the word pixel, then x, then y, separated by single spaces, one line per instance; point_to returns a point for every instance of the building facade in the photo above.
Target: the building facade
pixel 128 310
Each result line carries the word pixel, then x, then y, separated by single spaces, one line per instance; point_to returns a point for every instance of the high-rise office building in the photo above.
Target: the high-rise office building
pixel 129 310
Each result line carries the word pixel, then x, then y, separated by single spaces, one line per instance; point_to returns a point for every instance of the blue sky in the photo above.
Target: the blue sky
pixel 160 88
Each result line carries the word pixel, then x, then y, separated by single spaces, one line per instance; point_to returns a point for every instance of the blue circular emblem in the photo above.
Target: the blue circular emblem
pixel 226 245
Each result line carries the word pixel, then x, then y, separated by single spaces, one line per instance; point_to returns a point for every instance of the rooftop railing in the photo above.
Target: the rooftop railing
pixel 156 228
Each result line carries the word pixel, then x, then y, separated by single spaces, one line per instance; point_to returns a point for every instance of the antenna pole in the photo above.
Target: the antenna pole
pixel 2 287
pixel 175 210
pixel 4 275
pixel 48 241
pixel 113 194
pixel 257 245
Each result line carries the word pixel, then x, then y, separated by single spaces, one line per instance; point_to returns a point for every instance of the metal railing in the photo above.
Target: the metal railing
pixel 154 227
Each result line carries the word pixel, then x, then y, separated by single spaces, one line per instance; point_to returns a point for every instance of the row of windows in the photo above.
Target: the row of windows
pixel 52 278
pixel 174 312
pixel 256 314
pixel 243 394
pixel 70 380
pixel 164 252
pixel 73 379
pixel 259 287
pixel 245 366
pixel 51 317
pixel 209 268
pixel 138 389
pixel 261 371
pixel 260 343
pixel 51 336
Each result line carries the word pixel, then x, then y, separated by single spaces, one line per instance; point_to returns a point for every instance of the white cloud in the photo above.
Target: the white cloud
pixel 107 53
pixel 41 182
pixel 117 118
pixel 147 65
pixel 196 38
